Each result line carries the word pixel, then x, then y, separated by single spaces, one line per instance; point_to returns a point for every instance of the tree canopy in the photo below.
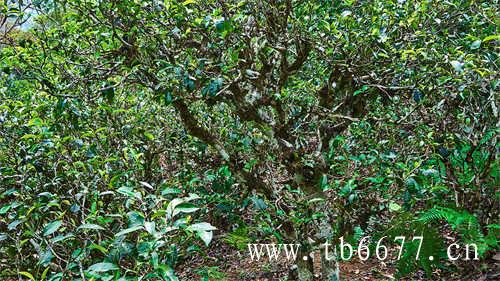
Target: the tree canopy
pixel 136 134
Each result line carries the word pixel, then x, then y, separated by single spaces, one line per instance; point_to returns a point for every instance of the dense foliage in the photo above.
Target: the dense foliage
pixel 132 131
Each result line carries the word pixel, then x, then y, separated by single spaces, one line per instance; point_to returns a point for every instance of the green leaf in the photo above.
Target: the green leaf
pixel 177 201
pixel 91 226
pixel 170 190
pixel 394 207
pixel 29 136
pixel 360 91
pixel 35 122
pixel 187 2
pixel 127 190
pixel 491 37
pixel 135 218
pixel 150 227
pixel 314 200
pixel 258 203
pixel 346 13
pixel 203 230
pixel 168 273
pixel 206 236
pixel 44 273
pixel 185 208
pixel 143 183
pixel 149 136
pixel 458 66
pixel 99 247
pixel 128 230
pixel 103 267
pixel 202 226
pixel 60 238
pixel 27 274
pixel 4 209
pixel 51 228
pixel 475 45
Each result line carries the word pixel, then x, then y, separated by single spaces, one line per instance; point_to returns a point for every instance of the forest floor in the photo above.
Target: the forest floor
pixel 224 262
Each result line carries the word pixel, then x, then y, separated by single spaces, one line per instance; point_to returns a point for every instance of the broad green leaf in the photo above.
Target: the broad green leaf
pixel 103 267
pixel 150 227
pixel 60 238
pixel 35 122
pixel 491 37
pixel 475 45
pixel 135 218
pixel 149 136
pixel 394 207
pixel 4 209
pixel 458 66
pixel 204 226
pixel 91 226
pixel 177 201
pixel 204 231
pixel 127 190
pixel 258 203
pixel 51 228
pixel 184 208
pixel 206 236
pixel 170 190
pixel 128 230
